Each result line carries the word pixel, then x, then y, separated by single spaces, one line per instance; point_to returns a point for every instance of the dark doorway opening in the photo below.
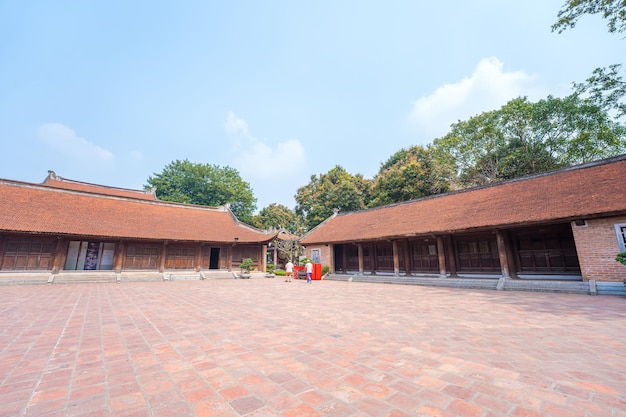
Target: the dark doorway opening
pixel 214 261
pixel 339 267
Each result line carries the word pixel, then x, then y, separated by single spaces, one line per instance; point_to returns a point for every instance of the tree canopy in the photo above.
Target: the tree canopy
pixel 614 11
pixel 204 184
pixel 406 175
pixel 524 138
pixel 277 216
pixel 336 189
pixel 606 86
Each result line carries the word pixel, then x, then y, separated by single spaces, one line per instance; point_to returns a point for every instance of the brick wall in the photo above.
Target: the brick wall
pixel 324 251
pixel 597 246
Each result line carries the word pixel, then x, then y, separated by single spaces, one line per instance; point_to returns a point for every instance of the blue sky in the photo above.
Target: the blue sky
pixel 110 92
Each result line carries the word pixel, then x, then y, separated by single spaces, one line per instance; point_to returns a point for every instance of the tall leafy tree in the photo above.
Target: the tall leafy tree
pixel 408 174
pixel 606 86
pixel 204 184
pixel 337 189
pixel 277 216
pixel 526 138
pixel 614 11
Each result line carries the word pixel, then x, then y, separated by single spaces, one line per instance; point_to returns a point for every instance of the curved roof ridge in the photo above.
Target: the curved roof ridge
pixel 494 184
pixel 54 180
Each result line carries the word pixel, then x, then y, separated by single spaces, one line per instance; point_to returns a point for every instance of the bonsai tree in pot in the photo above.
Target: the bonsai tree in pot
pixel 246 267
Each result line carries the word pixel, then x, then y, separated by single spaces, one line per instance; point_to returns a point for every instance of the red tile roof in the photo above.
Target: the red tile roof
pixel 52 180
pixel 36 208
pixel 584 191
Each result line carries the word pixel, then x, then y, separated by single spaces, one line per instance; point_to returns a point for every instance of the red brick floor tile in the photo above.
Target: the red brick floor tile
pixel 211 408
pixel 173 408
pixel 302 410
pixel 184 348
pixel 128 401
pixel 234 392
pixel 201 395
pixel 314 397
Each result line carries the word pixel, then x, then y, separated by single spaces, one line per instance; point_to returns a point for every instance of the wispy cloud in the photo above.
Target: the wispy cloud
pixel 260 160
pixel 488 88
pixel 65 140
pixel 274 171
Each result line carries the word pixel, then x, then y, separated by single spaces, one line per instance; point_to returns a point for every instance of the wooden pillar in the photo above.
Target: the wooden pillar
pixel 344 260
pixel 360 251
pixel 60 254
pixel 162 257
pixel 2 246
pixel 450 256
pixel 263 264
pixel 396 258
pixel 408 262
pixel 275 250
pixel 441 253
pixel 503 253
pixel 331 267
pixel 199 247
pixel 119 257
pixel 373 258
pixel 229 258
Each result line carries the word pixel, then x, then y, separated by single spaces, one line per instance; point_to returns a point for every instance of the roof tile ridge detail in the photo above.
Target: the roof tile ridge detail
pixel 586 165
pixel 52 176
pixel 46 188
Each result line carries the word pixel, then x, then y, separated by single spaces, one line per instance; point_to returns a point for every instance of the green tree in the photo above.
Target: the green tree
pixel 204 184
pixel 606 87
pixel 524 138
pixel 614 11
pixel 336 189
pixel 408 174
pixel 277 216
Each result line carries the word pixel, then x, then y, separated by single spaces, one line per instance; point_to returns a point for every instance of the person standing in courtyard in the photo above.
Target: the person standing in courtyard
pixel 289 271
pixel 309 271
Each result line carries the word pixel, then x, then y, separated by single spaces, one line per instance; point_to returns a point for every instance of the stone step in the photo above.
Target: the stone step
pixel 82 277
pixel 564 286
pixel 24 278
pixel 576 287
pixel 611 288
pixel 217 274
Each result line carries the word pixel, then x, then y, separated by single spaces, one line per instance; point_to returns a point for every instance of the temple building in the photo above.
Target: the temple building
pixel 563 225
pixel 64 225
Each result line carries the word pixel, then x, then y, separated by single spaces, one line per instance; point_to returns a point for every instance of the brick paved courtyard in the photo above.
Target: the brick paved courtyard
pixel 263 347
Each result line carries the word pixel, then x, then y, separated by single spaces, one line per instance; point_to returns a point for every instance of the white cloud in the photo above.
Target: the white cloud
pixel 235 126
pixel 65 140
pixel 263 162
pixel 488 88
pixel 275 171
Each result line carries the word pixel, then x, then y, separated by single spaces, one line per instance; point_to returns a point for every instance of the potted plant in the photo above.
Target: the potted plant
pixel 621 258
pixel 270 270
pixel 246 267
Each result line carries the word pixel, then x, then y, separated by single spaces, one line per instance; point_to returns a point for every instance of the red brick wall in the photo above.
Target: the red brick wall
pixel 597 246
pixel 324 251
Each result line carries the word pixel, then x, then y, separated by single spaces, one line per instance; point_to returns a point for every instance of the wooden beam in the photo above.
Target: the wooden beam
pixel 441 253
pixel 503 253
pixel 360 251
pixel 119 257
pixel 396 258
pixel 60 253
